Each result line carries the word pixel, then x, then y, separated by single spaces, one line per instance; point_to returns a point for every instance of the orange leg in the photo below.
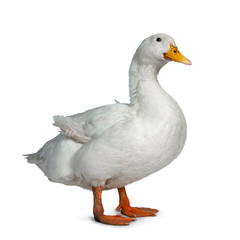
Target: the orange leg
pixel 124 206
pixel 98 211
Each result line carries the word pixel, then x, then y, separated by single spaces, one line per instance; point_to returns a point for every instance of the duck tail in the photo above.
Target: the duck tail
pixel 33 158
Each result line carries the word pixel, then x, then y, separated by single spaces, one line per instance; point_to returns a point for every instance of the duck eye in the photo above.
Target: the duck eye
pixel 158 39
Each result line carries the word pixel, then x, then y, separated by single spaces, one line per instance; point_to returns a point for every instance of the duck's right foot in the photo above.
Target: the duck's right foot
pixel 124 206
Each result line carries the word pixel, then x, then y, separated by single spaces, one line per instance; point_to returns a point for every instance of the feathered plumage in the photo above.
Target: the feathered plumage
pixel 115 145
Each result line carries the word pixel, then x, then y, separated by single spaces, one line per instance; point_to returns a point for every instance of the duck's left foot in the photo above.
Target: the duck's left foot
pixel 126 209
pixel 98 211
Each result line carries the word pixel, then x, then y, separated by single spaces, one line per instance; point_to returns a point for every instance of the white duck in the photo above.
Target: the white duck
pixel 114 145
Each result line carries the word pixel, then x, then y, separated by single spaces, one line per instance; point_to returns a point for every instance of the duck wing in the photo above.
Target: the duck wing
pixel 72 128
pixel 84 127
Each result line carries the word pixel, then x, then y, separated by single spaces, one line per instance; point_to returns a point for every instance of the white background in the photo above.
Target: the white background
pixel 63 57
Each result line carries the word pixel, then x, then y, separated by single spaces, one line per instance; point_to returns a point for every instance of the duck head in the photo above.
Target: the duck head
pixel 159 49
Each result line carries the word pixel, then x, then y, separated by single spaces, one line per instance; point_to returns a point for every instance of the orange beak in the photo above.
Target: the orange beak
pixel 174 55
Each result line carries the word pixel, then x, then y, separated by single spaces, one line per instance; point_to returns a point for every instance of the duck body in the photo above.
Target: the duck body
pixel 128 142
pixel 114 145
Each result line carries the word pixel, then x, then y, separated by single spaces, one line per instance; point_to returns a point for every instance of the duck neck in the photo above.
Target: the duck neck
pixel 143 82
